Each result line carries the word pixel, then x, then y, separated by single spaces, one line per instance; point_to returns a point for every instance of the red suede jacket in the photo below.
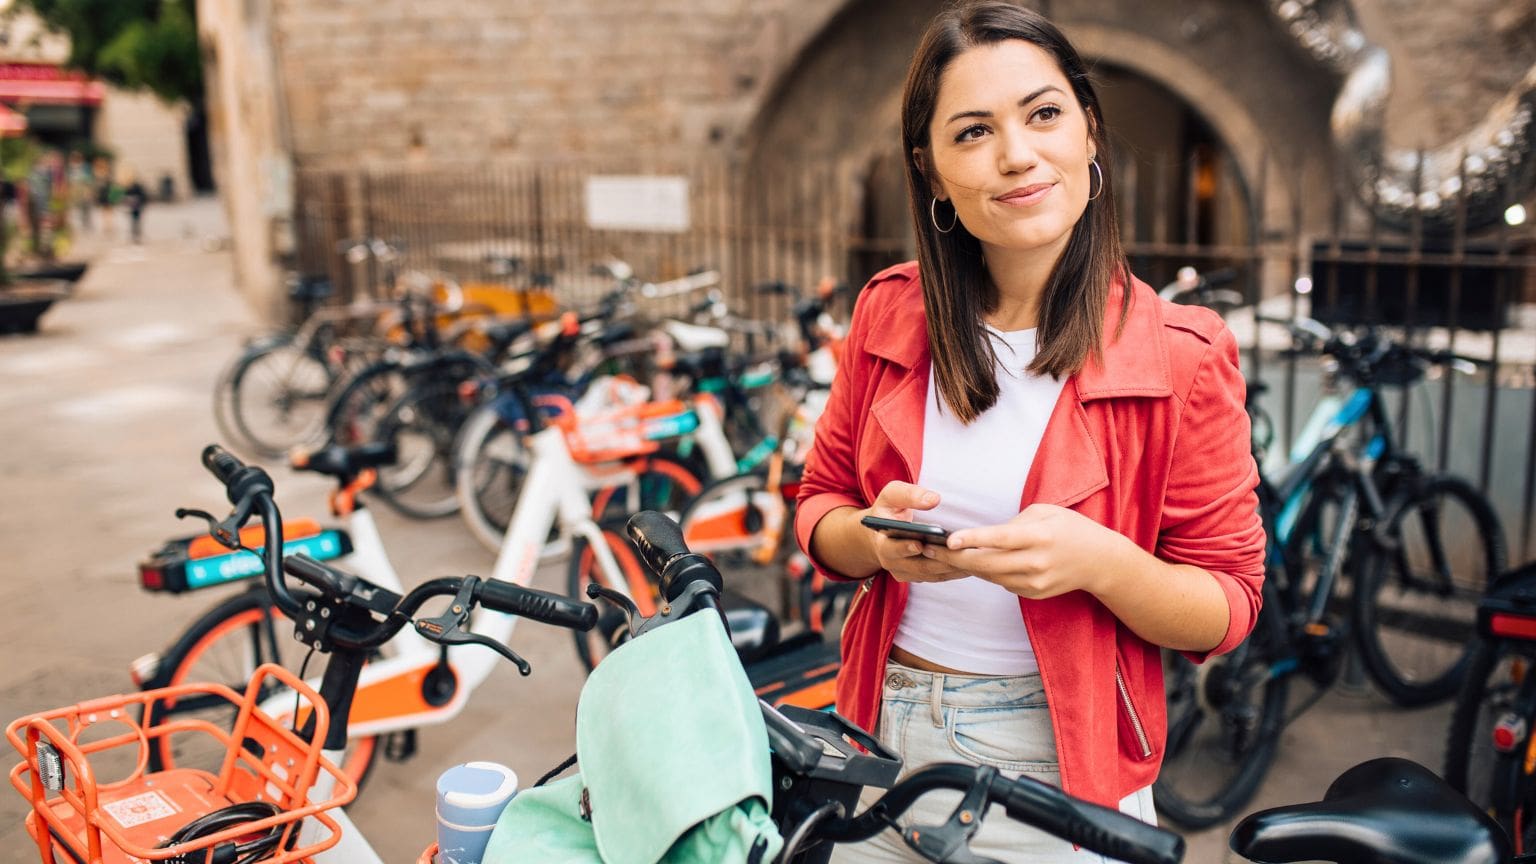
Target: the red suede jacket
pixel 1152 442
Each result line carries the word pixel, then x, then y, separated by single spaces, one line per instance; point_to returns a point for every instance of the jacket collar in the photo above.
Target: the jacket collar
pixel 1134 364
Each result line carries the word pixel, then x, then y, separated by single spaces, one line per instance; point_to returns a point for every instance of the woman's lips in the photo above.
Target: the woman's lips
pixel 1025 196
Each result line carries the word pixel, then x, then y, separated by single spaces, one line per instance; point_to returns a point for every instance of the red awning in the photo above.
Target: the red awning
pixel 11 123
pixel 52 92
pixel 40 83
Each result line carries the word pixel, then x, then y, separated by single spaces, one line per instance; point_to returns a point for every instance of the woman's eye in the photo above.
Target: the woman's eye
pixel 971 133
pixel 1047 113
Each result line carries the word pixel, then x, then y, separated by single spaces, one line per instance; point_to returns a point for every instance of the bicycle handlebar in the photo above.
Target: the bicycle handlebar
pixel 250 488
pixel 664 552
pixel 1099 829
pixel 542 606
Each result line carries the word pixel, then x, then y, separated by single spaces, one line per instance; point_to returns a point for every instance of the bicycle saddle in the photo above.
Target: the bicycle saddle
pixel 1385 811
pixel 345 463
pixel 504 334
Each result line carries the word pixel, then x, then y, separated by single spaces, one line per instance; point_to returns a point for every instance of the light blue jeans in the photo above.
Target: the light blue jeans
pixel 1003 722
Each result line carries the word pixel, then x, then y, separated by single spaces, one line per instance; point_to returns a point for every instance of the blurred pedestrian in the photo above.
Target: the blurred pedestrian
pixel 106 195
pixel 134 198
pixel 41 186
pixel 81 185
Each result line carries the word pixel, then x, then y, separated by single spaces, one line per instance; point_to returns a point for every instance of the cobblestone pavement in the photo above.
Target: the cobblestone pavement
pixel 103 414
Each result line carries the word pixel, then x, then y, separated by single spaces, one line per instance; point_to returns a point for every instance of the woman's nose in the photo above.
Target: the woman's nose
pixel 1015 155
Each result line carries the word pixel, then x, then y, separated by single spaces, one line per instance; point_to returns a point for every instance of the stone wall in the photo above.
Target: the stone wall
pixel 394 83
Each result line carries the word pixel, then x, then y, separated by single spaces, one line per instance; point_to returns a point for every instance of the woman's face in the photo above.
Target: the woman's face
pixel 1010 147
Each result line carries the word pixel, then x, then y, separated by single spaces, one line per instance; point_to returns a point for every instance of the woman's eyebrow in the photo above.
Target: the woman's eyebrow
pixel 1022 102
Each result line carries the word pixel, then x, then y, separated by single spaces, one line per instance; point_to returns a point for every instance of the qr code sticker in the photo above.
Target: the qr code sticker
pixel 140 809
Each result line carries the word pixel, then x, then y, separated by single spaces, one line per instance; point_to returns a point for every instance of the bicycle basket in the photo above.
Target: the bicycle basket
pixel 124 822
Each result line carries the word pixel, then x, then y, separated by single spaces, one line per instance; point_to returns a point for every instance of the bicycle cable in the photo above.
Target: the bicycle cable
pixel 246 852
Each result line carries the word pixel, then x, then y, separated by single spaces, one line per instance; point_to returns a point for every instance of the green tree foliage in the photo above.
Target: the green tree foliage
pixel 135 44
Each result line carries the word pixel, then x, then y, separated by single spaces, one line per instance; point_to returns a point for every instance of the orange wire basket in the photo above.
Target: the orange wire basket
pixel 124 822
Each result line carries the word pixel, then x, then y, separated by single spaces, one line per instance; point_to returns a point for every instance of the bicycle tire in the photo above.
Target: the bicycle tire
pixel 490 462
pixel 1415 631
pixel 424 425
pixel 1249 694
pixel 595 644
pixel 227 642
pixel 352 415
pixel 660 482
pixel 303 384
pixel 1498 682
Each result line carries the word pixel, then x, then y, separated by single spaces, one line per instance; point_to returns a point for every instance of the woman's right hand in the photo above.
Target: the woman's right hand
pixel 903 559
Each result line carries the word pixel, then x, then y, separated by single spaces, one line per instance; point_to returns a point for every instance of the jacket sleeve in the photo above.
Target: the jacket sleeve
pixel 831 478
pixel 1211 508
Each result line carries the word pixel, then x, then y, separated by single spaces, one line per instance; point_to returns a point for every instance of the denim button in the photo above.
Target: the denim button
pixel 898 681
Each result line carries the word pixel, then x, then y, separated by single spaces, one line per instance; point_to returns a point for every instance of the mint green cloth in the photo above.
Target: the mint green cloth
pixel 674 759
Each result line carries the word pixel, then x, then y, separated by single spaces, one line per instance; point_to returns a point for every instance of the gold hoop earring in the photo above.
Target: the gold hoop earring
pixel 1094 164
pixel 933 214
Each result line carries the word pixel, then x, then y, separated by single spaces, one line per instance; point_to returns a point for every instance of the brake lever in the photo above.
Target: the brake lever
pixel 950 843
pixel 227 532
pixel 448 628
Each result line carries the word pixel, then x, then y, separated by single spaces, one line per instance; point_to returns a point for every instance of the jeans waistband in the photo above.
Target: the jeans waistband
pixel 962 691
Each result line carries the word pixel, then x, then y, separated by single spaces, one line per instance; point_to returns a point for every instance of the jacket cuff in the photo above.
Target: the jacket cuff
pixel 1238 623
pixel 809 512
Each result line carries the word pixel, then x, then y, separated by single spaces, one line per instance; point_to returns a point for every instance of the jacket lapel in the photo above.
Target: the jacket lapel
pixel 900 336
pixel 1074 463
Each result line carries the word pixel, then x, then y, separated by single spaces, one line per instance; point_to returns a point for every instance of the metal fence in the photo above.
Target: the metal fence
pixel 534 225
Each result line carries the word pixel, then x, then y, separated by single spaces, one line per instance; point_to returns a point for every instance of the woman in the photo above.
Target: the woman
pixel 1084 442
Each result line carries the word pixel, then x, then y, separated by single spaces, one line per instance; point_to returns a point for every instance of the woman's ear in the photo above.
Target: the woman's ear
pixel 920 162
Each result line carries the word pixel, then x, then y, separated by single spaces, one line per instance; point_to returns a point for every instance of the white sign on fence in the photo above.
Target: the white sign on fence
pixel 637 203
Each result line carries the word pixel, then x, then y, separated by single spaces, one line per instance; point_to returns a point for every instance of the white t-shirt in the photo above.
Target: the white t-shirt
pixel 979 470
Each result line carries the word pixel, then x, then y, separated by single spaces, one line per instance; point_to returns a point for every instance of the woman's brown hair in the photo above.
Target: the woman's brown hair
pixel 957 291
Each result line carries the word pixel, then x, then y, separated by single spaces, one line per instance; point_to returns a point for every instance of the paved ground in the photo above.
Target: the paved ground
pixel 102 416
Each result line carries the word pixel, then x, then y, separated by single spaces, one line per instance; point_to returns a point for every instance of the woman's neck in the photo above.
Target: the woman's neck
pixel 1019 276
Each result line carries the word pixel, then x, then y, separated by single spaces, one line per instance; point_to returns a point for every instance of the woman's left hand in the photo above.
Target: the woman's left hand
pixel 1043 552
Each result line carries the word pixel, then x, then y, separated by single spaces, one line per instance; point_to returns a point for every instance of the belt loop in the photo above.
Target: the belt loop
pixel 936 700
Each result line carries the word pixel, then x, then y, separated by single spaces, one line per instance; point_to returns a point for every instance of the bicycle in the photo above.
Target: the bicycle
pixel 818 762
pixel 335 613
pixel 1489 739
pixel 1352 503
pixel 1190 287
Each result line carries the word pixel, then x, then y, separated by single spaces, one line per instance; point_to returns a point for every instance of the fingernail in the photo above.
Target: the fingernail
pixel 930 498
pixel 927 551
pixel 954 542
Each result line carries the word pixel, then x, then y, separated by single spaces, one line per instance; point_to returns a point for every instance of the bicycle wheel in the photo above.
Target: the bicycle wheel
pixel 362 400
pixel 1415 610
pixel 423 425
pixel 1224 722
pixel 656 482
pixel 225 646
pixel 278 397
pixel 1485 745
pixel 593 645
pixel 490 462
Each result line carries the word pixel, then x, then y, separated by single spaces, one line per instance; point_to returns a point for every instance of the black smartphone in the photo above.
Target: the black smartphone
pixel 923 532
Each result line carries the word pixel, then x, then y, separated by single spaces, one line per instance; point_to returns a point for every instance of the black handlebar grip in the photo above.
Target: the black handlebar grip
pixel 658 539
pixel 221 463
pixel 665 553
pixel 542 606
pixel 1100 829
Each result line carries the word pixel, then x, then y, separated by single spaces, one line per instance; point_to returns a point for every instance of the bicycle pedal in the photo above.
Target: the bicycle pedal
pixel 400 746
